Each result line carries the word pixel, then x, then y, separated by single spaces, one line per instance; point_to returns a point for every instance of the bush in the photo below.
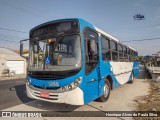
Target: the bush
pixel 6 71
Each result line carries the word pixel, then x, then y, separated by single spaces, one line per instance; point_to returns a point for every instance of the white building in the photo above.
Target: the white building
pixel 12 61
pixel 157 54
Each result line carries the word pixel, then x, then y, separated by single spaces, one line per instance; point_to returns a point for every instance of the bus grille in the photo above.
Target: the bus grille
pixel 46 88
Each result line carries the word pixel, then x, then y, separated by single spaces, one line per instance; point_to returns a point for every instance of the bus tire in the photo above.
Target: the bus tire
pixel 132 78
pixel 106 90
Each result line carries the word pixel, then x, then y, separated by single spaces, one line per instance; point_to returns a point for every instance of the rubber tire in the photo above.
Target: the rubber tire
pixel 132 79
pixel 103 98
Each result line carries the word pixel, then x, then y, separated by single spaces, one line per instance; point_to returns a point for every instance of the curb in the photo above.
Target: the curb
pixel 12 78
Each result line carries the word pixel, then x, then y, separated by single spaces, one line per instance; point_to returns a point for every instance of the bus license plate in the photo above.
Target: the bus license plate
pixel 44 94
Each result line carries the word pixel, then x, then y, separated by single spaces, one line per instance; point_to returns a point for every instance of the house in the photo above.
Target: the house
pixel 157 59
pixel 12 61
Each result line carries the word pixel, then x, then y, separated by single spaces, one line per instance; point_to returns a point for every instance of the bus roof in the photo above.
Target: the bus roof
pixel 106 34
pixel 111 37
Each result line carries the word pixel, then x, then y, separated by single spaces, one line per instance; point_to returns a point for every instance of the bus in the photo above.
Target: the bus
pixel 71 61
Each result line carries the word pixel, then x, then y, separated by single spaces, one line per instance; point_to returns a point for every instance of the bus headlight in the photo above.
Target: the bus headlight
pixel 73 85
pixel 69 87
pixel 28 81
pixel 76 83
pixel 63 89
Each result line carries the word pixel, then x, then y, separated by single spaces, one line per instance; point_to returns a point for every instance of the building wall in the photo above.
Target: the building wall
pixel 10 55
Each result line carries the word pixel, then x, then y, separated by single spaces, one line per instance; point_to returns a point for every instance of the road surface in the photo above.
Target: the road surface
pixel 12 93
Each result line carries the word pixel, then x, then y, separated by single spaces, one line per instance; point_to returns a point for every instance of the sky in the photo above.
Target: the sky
pixel 112 16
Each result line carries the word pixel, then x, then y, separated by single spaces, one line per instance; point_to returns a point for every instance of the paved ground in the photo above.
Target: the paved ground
pixel 21 76
pixel 12 93
pixel 121 99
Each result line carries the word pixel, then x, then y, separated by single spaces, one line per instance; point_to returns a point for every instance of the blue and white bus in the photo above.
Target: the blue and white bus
pixel 71 61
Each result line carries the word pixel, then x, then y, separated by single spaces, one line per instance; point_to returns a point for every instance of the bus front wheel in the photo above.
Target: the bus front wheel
pixel 106 92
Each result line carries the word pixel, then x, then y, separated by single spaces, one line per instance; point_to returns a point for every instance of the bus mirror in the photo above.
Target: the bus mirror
pixel 93 47
pixel 21 48
pixel 24 48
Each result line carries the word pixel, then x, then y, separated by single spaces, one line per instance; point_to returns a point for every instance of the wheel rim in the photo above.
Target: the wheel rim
pixel 106 90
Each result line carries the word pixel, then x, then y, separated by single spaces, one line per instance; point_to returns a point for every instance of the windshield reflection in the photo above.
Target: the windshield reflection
pixel 55 54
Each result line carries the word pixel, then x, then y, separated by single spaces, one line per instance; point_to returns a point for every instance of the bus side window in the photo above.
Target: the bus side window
pixel 132 57
pixel 125 53
pixel 106 53
pixel 114 50
pixel 120 51
pixel 92 56
pixel 128 53
pixel 135 57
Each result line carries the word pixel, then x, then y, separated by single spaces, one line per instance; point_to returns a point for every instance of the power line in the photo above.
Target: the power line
pixel 12 30
pixel 8 45
pixel 10 36
pixel 21 8
pixel 146 39
pixel 33 9
pixel 8 40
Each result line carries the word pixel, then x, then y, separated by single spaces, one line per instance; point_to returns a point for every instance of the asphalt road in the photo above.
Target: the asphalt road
pixel 12 93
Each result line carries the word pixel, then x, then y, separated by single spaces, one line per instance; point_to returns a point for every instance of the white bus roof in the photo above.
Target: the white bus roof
pixel 106 34
pixel 111 37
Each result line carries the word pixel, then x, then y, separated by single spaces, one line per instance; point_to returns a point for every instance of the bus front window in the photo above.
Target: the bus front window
pixel 56 54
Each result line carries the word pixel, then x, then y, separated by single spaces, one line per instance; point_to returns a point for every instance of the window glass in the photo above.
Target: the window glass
pixel 55 56
pixel 63 48
pixel 125 53
pixel 121 57
pixel 106 53
pixel 126 57
pixel 114 50
pixel 113 45
pixel 105 43
pixel 91 58
pixel 128 51
pixel 89 34
pixel 125 50
pixel 114 56
pixel 70 49
pixel 120 48
pixel 136 56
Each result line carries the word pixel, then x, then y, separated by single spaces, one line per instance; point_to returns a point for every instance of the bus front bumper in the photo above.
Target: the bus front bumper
pixel 73 97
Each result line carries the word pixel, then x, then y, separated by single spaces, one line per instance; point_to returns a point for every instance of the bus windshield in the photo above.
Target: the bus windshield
pixel 55 54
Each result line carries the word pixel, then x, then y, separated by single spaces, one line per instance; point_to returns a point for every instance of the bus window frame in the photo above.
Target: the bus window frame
pixel 109 49
pixel 120 52
pixel 86 50
pixel 115 51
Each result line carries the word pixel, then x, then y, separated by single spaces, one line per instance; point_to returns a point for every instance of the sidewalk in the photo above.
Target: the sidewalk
pixel 20 76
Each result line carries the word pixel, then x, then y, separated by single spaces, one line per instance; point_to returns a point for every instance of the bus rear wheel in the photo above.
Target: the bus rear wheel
pixel 106 91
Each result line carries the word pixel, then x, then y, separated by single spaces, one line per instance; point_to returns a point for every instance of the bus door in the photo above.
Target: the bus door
pixel 91 65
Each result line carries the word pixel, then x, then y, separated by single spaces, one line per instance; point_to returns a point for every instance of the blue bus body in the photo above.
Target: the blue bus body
pixel 91 85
